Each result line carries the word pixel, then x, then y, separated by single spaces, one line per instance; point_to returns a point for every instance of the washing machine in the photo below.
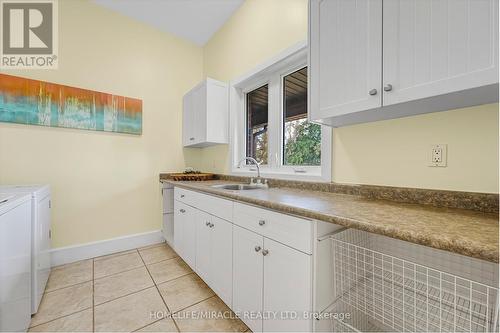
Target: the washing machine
pixel 15 262
pixel 40 236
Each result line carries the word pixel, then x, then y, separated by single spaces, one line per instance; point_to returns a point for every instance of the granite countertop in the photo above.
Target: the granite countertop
pixel 467 232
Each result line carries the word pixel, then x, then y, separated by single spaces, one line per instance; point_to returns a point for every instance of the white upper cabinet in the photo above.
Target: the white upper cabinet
pixel 206 114
pixel 382 59
pixel 438 47
pixel 345 56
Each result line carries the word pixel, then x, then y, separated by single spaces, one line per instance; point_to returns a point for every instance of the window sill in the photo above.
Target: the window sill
pixel 283 174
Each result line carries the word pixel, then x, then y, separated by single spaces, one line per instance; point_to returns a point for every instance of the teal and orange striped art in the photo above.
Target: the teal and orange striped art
pixel 32 102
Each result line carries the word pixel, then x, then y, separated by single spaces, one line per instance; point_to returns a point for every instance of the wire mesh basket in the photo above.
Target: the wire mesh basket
pixel 385 293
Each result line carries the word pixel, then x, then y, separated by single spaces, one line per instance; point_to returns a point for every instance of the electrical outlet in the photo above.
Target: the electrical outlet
pixel 438 155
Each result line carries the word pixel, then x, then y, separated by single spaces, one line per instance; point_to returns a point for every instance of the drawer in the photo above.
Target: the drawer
pixel 289 230
pixel 208 203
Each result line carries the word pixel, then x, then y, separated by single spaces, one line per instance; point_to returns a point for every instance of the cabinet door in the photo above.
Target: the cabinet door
pixel 437 47
pixel 222 259
pixel 247 275
pixel 287 287
pixel 345 71
pixel 200 114
pixel 203 246
pixel 179 217
pixel 189 236
pixel 188 135
pixel 185 232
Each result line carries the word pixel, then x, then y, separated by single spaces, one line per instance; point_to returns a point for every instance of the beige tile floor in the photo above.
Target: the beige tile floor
pixel 148 289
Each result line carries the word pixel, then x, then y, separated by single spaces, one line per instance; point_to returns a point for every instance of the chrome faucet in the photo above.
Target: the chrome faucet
pixel 254 161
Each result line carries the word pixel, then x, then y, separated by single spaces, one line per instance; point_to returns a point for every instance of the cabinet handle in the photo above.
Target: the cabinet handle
pixel 257 248
pixel 265 252
pixel 182 210
pixel 388 87
pixel 262 222
pixel 182 195
pixel 211 225
pixel 373 92
pixel 207 224
pixel 191 139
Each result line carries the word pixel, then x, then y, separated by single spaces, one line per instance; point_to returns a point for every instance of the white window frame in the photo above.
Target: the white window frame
pixel 272 73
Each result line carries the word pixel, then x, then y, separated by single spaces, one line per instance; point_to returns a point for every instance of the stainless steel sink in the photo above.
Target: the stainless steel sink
pixel 239 187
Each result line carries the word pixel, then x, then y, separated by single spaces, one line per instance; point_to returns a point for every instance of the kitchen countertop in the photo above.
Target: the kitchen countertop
pixel 466 232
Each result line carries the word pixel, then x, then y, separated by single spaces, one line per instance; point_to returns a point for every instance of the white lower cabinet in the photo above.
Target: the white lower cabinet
pixel 203 244
pixel 271 281
pixel 263 275
pixel 185 232
pixel 214 254
pixel 287 288
pixel 248 276
pixel 221 273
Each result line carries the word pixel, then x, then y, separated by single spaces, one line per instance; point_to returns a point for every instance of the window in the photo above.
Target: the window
pixel 301 139
pixel 257 119
pixel 269 122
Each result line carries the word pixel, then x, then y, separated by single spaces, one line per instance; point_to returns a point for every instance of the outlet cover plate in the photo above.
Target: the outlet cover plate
pixel 438 155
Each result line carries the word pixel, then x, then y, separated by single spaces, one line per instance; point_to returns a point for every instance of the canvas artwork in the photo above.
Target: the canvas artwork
pixel 32 102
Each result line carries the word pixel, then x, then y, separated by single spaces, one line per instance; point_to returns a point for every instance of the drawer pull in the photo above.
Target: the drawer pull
pixel 211 225
pixel 182 210
pixel 262 222
pixel 207 224
pixel 257 248
pixel 265 252
pixel 182 195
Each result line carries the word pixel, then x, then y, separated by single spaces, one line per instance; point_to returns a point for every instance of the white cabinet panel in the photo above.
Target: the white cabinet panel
pixel 415 56
pixel 168 228
pixel 287 288
pixel 248 275
pixel 168 200
pixel 203 246
pixel 206 114
pixel 438 47
pixel 185 232
pixel 221 251
pixel 214 253
pixel 345 56
pixel 213 205
pixel 290 230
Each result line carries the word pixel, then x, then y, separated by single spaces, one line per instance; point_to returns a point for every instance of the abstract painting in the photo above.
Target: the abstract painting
pixel 33 102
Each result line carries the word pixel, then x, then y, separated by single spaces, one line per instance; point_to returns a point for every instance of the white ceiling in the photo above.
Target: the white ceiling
pixel 194 20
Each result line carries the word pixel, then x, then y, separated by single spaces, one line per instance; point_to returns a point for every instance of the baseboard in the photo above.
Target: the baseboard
pixel 69 254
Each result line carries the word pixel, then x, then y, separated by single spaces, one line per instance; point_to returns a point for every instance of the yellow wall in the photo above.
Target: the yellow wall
pixel 393 152
pixel 257 31
pixel 106 184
